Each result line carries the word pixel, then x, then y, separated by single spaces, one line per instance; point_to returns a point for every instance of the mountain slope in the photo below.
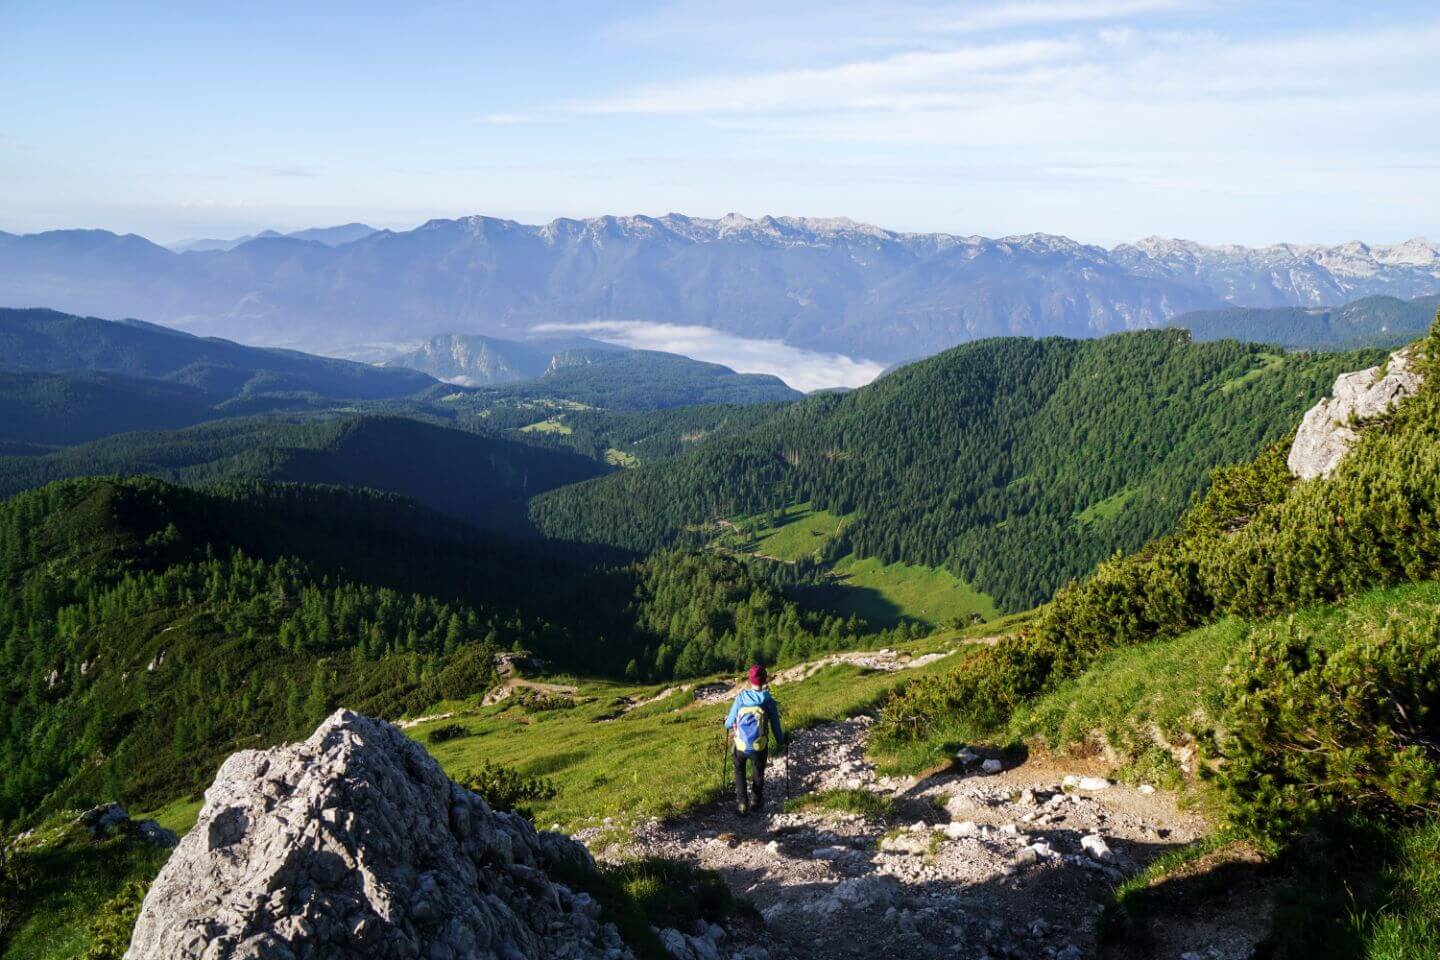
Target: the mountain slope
pixel 1280 645
pixel 645 380
pixel 51 342
pixel 1017 464
pixel 149 627
pixel 55 409
pixel 1377 321
pixel 481 480
pixel 146 629
pixel 831 285
pixel 475 361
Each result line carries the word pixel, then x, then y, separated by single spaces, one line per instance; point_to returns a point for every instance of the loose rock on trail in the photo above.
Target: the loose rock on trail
pixel 967 864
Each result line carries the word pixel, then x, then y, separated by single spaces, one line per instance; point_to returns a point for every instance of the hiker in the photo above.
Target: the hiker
pixel 750 720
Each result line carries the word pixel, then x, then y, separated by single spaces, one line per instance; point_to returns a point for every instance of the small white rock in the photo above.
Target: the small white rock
pixel 1146 789
pixel 1095 845
pixel 992 766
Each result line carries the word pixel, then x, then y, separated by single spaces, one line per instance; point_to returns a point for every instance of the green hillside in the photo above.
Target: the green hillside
pixel 149 629
pixel 57 410
pixel 881 594
pixel 481 480
pixel 1272 648
pixel 979 460
pixel 1286 638
pixel 644 436
pixel 1378 321
pixel 645 380
pixel 45 341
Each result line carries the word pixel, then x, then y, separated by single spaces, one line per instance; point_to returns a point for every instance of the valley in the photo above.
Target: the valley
pixel 1036 612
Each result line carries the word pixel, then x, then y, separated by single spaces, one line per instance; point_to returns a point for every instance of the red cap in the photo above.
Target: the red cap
pixel 757 675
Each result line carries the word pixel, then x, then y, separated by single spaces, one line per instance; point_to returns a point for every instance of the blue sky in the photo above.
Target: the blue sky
pixel 1106 120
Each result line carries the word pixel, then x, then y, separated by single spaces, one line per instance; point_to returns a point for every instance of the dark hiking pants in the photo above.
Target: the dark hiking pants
pixel 757 777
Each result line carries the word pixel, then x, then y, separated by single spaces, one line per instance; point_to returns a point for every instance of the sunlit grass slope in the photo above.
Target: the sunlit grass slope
pixel 655 760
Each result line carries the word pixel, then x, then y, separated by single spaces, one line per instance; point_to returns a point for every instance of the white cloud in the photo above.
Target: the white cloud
pixel 804 370
pixel 859 85
pixel 506 119
pixel 1146 92
pixel 1005 15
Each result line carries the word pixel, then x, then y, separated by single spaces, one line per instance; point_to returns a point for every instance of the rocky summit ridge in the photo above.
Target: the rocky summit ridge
pixel 354 844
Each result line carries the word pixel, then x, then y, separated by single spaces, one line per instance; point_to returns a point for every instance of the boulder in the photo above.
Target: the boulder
pixel 99 821
pixel 354 843
pixel 1329 428
pixel 156 835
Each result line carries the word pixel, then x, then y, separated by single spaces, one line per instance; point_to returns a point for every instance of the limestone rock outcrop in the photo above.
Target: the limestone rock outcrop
pixel 354 844
pixel 1329 428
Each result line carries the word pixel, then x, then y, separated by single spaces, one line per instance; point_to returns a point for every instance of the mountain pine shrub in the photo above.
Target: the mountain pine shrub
pixel 1310 734
pixel 1256 544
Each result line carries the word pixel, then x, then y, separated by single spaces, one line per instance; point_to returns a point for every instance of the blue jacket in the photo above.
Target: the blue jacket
pixel 762 699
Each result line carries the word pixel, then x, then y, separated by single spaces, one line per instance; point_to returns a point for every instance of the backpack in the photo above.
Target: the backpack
pixel 752 731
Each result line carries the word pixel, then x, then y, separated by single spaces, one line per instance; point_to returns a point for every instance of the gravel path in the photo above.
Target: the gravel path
pixel 972 863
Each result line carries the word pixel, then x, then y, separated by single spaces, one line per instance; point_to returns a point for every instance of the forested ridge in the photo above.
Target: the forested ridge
pixel 1377 321
pixel 1319 729
pixel 1018 464
pixel 483 480
pixel 644 380
pixel 52 410
pixel 146 629
pixel 149 629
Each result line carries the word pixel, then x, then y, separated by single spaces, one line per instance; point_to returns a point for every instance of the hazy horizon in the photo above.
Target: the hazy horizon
pixel 396 227
pixel 1102 120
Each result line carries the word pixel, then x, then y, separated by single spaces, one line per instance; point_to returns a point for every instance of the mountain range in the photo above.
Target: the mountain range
pixel 330 236
pixel 824 284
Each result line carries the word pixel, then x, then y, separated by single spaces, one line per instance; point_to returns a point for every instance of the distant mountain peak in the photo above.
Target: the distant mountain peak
pixel 828 284
pixel 329 236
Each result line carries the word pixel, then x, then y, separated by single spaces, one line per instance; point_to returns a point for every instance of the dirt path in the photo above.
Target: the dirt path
pixel 969 864
pixel 887 661
pixel 507 689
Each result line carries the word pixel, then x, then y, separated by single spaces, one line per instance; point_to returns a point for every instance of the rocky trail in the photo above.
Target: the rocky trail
pixel 981 861
pixel 886 661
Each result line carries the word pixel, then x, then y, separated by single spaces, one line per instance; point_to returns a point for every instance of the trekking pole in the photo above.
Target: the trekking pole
pixel 724 743
pixel 789 761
